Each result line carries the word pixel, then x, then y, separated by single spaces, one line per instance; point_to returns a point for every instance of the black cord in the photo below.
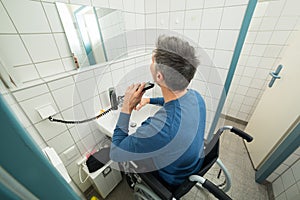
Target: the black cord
pixel 79 121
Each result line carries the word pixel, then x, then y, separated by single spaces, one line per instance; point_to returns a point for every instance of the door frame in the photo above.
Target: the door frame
pixel 282 152
pixel 22 158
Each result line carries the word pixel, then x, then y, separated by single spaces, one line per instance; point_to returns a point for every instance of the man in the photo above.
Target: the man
pixel 174 137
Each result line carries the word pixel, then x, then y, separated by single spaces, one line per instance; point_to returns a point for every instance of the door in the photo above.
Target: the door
pixel 278 108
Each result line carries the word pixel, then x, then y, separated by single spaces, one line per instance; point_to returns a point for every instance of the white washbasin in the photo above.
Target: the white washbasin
pixel 107 123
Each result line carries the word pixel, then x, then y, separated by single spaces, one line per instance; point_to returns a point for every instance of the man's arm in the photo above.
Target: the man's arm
pixel 157 101
pixel 139 145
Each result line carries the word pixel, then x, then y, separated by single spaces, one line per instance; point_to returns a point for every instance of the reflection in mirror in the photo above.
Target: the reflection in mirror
pixel 95 35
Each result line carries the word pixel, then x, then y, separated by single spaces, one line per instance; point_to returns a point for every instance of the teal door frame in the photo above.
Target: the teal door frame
pixel 235 58
pixel 289 144
pixel 282 152
pixel 24 160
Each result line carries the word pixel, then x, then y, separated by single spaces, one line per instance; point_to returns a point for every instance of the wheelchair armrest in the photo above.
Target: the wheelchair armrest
pixel 156 186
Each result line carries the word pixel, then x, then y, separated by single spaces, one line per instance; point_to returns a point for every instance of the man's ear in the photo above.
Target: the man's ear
pixel 159 77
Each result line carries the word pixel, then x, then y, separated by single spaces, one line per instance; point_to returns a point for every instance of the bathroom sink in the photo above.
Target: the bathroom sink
pixel 107 123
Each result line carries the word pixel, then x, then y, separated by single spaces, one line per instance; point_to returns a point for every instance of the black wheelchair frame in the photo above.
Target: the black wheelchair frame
pixel 162 191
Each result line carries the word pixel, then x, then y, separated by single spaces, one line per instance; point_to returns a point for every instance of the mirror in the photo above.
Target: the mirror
pixel 95 35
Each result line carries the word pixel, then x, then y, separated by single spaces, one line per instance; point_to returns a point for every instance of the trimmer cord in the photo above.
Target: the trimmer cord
pixel 79 121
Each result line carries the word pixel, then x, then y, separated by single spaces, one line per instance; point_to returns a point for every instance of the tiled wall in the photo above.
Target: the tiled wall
pixel 286 178
pixel 271 26
pixel 40 47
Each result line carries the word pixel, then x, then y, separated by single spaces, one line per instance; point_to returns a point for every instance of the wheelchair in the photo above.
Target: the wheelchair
pixel 147 186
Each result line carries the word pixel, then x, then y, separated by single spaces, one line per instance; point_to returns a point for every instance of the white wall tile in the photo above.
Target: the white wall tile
pixel 140 22
pixel 50 68
pixel 62 44
pixel 116 4
pixel 20 115
pixel 293 192
pixel 227 39
pixel 61 83
pixel 129 5
pixel 194 4
pixel 208 38
pixel 23 12
pixel 268 23
pixel 104 82
pixel 12 45
pixel 163 6
pixel 31 92
pixel 140 6
pixel 272 177
pixel 235 2
pixel 286 23
pixel 296 170
pixel 193 35
pixel 61 142
pixel 80 2
pixel 68 63
pixel 41 47
pixel 53 17
pixel 177 5
pixel 176 20
pixel 150 6
pixel 162 21
pixel 290 8
pixel 263 37
pixel 117 76
pixel 215 3
pixel 282 196
pixel 82 89
pixel 211 18
pixel 129 19
pixel 233 17
pixel 6 24
pixel 35 135
pixel 258 50
pixel 272 51
pixel 278 187
pixel 66 97
pixel 25 73
pixel 193 19
pixel 151 21
pixel 222 58
pixel 291 159
pixel 100 3
pixel 49 129
pixel 280 37
pixel 92 106
pixel 253 61
pixel 30 105
pixel 260 9
pixel 288 179
pixel 104 97
pixel 81 76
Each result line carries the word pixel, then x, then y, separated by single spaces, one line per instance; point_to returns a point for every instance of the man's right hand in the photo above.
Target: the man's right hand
pixel 142 103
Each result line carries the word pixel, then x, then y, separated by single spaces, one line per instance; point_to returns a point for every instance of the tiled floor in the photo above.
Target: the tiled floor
pixel 234 156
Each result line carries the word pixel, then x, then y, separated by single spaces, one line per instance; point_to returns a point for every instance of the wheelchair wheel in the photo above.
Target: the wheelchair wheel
pixel 141 192
pixel 219 175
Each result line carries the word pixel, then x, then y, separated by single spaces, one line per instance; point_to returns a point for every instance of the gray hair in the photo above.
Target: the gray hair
pixel 176 60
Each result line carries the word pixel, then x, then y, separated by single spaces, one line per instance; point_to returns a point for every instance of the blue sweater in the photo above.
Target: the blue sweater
pixel 173 138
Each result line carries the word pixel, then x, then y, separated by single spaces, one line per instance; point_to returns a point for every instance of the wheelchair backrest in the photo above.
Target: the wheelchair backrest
pixel 211 155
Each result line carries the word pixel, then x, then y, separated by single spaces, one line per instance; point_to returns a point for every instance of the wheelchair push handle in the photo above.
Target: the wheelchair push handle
pixel 217 192
pixel 242 134
pixel 212 188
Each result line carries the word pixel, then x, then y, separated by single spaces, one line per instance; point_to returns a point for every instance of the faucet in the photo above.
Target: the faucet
pixel 113 98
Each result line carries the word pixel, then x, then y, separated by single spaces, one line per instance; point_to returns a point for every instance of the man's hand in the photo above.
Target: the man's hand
pixel 133 96
pixel 143 102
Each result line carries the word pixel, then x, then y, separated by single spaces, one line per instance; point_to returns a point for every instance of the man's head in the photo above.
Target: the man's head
pixel 174 61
